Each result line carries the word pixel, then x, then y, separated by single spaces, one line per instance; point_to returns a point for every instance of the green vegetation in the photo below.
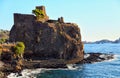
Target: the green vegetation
pixel 2 40
pixel 19 49
pixel 39 13
pixel 4 35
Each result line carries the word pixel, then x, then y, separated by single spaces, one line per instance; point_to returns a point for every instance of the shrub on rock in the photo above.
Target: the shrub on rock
pixel 19 49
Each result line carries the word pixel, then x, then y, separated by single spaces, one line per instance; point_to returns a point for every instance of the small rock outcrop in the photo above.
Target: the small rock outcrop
pixel 51 39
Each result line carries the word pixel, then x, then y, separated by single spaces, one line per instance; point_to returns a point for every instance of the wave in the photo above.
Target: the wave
pixel 74 66
pixel 26 73
pixel 115 57
pixel 32 73
pixel 86 56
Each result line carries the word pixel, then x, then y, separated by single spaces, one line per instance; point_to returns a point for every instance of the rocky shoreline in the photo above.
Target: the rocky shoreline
pixel 90 58
pixel 48 43
pixel 97 57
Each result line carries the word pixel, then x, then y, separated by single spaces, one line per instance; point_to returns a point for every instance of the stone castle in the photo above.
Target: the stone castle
pixel 21 18
pixel 53 39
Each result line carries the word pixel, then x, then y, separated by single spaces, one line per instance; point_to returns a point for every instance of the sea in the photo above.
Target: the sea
pixel 105 69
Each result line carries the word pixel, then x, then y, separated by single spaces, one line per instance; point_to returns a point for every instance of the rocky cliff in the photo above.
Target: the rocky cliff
pixel 4 34
pixel 51 39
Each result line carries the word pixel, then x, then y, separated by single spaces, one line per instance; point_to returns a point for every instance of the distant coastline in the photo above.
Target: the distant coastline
pixel 102 41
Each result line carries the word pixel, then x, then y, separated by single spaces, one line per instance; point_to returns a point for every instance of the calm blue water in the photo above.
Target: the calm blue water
pixel 107 69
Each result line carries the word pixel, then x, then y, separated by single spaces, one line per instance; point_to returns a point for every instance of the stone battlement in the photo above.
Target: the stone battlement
pixel 29 18
pixel 21 18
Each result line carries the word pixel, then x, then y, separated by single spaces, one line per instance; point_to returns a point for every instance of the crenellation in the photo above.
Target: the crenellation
pixel 61 20
pixel 29 18
pixel 21 18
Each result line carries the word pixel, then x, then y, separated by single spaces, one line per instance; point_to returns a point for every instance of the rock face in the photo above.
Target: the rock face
pixel 52 39
pixel 97 57
pixel 4 34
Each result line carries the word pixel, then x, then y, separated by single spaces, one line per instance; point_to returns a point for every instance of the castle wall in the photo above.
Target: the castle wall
pixel 23 18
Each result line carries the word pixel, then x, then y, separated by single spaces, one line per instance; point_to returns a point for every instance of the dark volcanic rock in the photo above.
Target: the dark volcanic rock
pixel 97 57
pixel 56 40
pixel 6 56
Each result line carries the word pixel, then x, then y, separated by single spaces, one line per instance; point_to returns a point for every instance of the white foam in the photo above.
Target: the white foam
pixel 31 73
pixel 115 57
pixel 71 66
pixel 27 73
pixel 102 56
pixel 74 66
pixel 86 56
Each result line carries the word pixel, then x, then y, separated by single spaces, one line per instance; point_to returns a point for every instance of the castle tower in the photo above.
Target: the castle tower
pixel 44 11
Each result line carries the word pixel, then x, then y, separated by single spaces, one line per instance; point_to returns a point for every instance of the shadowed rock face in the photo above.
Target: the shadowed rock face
pixel 56 40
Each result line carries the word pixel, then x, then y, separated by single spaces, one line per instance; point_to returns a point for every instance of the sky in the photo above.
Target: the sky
pixel 97 19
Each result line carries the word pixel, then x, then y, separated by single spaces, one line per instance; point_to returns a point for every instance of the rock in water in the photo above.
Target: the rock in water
pixel 52 39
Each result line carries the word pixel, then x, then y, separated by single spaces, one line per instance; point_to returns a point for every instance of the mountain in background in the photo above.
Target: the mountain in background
pixel 102 41
pixel 117 41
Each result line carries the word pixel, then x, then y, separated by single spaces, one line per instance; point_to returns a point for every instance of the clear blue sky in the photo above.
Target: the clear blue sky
pixel 97 19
